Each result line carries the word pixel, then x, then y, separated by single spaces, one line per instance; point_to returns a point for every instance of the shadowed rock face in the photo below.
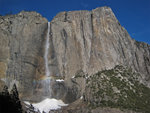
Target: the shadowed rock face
pixel 79 40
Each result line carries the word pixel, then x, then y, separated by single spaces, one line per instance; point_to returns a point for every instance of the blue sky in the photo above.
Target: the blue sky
pixel 134 15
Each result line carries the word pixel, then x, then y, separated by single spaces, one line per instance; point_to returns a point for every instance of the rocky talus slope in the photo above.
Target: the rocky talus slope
pixel 83 43
pixel 116 90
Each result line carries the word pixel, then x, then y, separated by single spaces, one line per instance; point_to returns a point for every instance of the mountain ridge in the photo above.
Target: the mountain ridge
pixel 80 41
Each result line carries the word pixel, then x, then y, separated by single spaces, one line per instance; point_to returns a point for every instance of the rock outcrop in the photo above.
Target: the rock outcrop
pixel 93 41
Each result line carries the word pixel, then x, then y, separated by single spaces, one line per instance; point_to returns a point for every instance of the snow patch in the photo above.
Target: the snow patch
pixel 26 102
pixel 73 77
pixel 59 80
pixel 47 105
pixel 81 97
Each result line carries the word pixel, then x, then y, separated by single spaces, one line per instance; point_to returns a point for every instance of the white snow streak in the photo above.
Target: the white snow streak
pixel 59 80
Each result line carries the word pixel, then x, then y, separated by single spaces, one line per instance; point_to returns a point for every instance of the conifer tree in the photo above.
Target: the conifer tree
pixel 15 97
pixel 5 100
pixel 5 91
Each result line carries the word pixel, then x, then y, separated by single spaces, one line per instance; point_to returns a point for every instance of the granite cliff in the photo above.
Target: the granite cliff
pixel 92 41
pixel 81 43
pixel 22 39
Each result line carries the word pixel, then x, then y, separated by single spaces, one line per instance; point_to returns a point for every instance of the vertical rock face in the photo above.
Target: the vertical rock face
pixel 92 41
pixel 79 40
pixel 21 49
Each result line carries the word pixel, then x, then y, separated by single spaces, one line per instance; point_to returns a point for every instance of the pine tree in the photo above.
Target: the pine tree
pixel 15 97
pixel 5 91
pixel 14 93
pixel 4 100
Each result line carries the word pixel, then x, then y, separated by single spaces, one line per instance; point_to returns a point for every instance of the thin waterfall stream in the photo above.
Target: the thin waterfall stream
pixel 47 80
pixel 47 71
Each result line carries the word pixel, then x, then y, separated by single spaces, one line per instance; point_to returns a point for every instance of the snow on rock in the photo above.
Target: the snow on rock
pixel 47 105
pixel 73 77
pixel 81 97
pixel 59 80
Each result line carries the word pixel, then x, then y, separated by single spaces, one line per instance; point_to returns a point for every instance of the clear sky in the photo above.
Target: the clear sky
pixel 134 15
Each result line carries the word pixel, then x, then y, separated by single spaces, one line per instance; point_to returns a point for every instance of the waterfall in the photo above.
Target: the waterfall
pixel 48 103
pixel 46 79
pixel 47 71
